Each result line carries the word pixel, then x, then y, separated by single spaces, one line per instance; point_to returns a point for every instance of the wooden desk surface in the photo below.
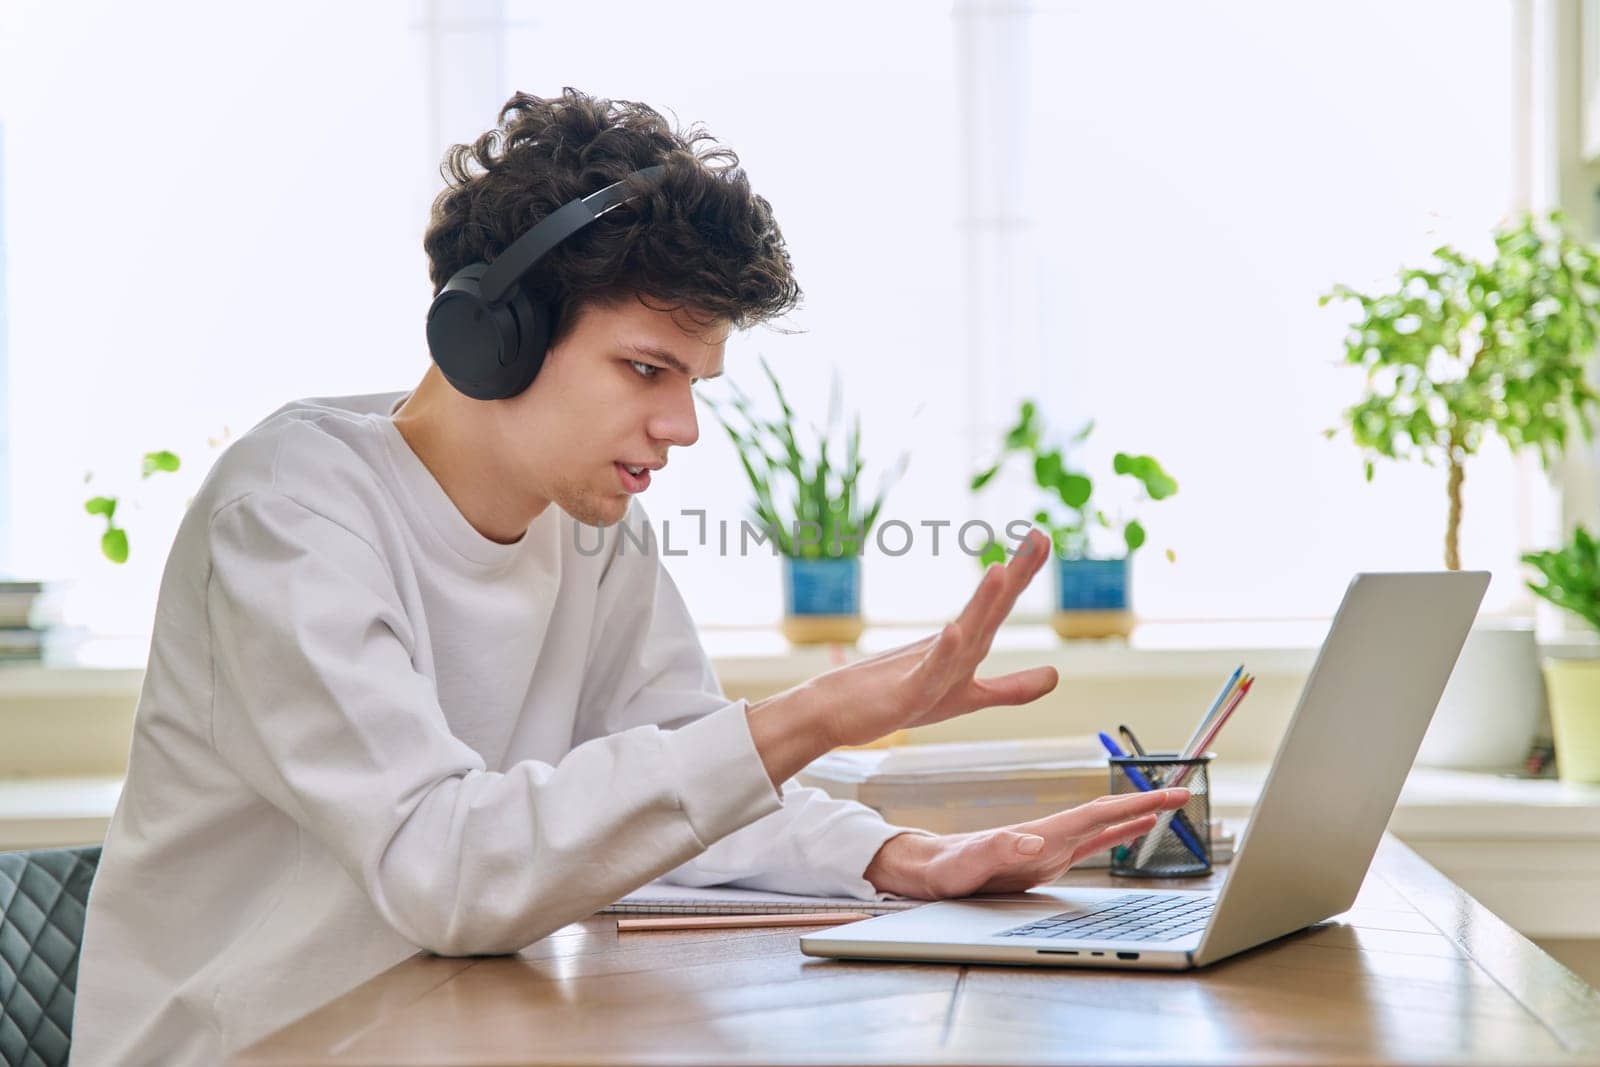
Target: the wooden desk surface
pixel 1416 972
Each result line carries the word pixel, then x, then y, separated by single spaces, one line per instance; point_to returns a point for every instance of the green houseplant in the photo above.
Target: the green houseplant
pixel 1462 348
pixel 114 538
pixel 107 505
pixel 1454 351
pixel 813 507
pixel 1570 579
pixel 1093 545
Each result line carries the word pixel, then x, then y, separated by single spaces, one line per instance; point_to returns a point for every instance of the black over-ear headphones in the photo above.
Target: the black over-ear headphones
pixel 485 331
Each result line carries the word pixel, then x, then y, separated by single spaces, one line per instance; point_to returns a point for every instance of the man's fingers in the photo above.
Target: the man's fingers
pixel 1112 836
pixel 1007 845
pixel 1002 584
pixel 1020 687
pixel 980 605
pixel 1107 811
pixel 1030 558
pixel 995 596
pixel 998 589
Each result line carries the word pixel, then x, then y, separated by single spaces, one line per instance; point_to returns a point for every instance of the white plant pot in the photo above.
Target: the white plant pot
pixel 1493 703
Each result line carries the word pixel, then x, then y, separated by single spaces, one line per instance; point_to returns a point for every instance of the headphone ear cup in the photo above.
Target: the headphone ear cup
pixel 466 334
pixel 533 318
pixel 488 351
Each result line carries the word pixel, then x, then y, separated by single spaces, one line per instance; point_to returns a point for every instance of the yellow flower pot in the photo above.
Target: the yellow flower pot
pixel 1574 694
pixel 822 629
pixel 822 601
pixel 1092 598
pixel 1075 624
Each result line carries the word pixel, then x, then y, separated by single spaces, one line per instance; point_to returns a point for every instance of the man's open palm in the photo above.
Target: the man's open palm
pixel 1017 857
pixel 934 679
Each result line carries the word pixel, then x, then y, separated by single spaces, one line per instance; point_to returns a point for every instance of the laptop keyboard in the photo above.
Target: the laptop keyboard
pixel 1134 917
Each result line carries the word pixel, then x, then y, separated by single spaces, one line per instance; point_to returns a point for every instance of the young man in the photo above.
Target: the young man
pixel 395 700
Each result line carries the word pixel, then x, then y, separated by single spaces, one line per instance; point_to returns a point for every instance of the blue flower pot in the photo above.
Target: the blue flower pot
pixel 1092 598
pixel 822 600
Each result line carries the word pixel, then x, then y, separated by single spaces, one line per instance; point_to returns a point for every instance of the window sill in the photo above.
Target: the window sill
pixel 755 656
pixel 1211 649
pixel 108 666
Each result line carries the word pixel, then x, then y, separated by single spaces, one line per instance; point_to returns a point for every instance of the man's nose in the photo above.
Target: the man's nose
pixel 678 424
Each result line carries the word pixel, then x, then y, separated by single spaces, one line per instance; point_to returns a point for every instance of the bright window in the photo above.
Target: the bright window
pixel 209 213
pixel 1196 179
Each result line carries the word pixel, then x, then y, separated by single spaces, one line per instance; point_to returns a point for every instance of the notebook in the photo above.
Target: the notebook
pixel 659 898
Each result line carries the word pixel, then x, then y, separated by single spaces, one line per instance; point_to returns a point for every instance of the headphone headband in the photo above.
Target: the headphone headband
pixel 520 256
pixel 486 332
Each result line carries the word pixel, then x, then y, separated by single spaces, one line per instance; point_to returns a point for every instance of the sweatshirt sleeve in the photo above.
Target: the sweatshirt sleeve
pixel 649 667
pixel 318 707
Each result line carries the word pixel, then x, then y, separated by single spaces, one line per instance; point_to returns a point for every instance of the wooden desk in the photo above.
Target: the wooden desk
pixel 1417 972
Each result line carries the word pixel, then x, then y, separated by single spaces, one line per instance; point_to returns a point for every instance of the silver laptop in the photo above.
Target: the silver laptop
pixel 1310 838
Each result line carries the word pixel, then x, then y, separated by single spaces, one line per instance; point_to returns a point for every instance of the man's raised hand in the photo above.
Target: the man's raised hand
pixel 924 682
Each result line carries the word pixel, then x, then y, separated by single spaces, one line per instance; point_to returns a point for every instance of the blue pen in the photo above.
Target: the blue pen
pixel 1180 824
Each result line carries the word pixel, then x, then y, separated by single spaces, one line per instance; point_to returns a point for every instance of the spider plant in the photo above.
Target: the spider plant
pixel 812 506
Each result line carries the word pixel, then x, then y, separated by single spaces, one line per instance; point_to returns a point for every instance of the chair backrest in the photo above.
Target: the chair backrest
pixel 42 899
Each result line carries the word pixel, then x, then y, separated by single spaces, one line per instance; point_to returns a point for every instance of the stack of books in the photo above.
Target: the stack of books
pixel 20 640
pixel 956 787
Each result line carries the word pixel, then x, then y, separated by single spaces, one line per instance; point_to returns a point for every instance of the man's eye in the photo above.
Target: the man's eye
pixel 645 370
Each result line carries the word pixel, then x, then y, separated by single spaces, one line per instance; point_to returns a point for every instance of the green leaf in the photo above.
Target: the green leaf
pixel 101 505
pixel 993 552
pixel 1158 484
pixel 159 461
pixel 1133 534
pixel 1047 469
pixel 1074 490
pixel 982 479
pixel 114 544
pixel 1023 434
pixel 1571 576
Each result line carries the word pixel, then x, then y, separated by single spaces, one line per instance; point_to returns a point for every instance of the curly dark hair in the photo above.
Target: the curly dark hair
pixel 698 239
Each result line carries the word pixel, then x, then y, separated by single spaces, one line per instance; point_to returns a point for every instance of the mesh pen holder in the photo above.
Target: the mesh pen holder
pixel 1180 844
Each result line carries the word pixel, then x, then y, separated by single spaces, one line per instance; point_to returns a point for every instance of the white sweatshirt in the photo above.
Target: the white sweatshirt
pixel 365 728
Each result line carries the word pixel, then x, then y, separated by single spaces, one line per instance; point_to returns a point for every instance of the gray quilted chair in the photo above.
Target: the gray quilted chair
pixel 42 898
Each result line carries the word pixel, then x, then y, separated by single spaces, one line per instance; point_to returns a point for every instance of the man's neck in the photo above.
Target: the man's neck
pixel 456 446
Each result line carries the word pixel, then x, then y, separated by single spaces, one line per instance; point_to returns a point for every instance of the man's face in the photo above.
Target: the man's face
pixel 614 393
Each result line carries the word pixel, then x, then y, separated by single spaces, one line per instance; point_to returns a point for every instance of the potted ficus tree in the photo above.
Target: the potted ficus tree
pixel 815 509
pixel 1456 351
pixel 1093 544
pixel 1570 579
